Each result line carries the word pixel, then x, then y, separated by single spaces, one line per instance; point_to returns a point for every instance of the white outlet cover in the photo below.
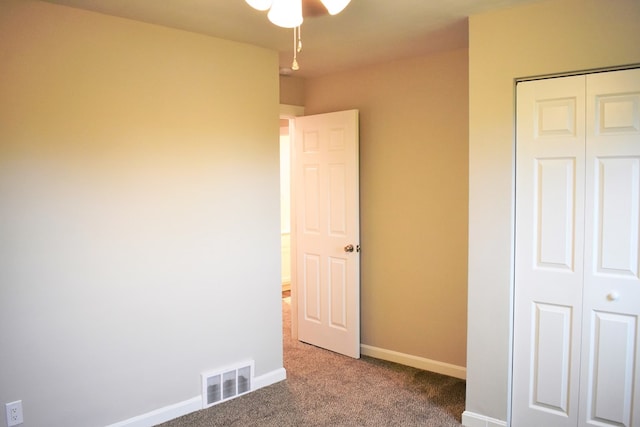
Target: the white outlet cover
pixel 14 413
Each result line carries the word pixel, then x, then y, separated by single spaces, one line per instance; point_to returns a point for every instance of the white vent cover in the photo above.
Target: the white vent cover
pixel 226 383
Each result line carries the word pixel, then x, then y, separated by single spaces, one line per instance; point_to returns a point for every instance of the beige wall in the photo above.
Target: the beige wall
pixel 292 90
pixel 547 37
pixel 413 188
pixel 139 215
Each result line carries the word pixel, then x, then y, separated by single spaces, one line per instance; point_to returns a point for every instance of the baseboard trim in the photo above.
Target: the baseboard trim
pixel 471 419
pixel 168 413
pixel 414 361
pixel 269 378
pixel 163 415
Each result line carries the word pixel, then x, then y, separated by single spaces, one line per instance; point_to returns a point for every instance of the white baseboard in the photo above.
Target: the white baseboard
pixel 471 419
pixel 414 361
pixel 180 409
pixel 269 378
pixel 162 415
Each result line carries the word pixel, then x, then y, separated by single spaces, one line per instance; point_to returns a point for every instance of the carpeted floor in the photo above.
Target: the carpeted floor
pixel 328 389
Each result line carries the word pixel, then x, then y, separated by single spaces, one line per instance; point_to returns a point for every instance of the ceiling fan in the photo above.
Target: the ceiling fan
pixel 291 13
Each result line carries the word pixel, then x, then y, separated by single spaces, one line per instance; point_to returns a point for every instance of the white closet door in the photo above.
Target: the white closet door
pixel 611 357
pixel 577 267
pixel 549 258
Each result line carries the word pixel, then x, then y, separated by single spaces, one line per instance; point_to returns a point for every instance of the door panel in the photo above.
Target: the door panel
pixel 554 187
pixel 611 363
pixel 338 293
pixel 610 387
pixel 551 361
pixel 311 287
pixel 326 162
pixel 616 215
pixel 337 201
pixel 548 266
pixel 310 195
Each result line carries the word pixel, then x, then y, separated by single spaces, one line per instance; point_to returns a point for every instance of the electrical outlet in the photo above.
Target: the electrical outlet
pixel 14 413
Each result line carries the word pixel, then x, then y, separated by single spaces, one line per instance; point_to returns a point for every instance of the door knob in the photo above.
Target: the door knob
pixel 613 296
pixel 348 248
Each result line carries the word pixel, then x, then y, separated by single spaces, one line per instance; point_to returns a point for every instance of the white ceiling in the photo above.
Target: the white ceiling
pixel 365 33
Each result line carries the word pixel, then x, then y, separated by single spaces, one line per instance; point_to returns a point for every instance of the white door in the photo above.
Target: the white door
pixel 328 231
pixel 577 288
pixel 610 354
pixel 548 252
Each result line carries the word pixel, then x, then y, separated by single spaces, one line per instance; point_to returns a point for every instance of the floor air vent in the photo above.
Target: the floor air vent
pixel 224 384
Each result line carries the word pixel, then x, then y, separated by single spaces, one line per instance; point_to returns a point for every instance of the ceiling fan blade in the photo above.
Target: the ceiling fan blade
pixel 313 8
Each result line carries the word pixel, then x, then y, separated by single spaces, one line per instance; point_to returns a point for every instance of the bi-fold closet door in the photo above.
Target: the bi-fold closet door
pixel 576 360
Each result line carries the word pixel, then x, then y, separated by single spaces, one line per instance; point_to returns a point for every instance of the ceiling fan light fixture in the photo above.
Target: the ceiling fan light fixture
pixel 335 6
pixel 286 13
pixel 260 4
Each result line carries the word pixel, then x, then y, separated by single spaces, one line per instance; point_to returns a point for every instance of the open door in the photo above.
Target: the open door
pixel 327 249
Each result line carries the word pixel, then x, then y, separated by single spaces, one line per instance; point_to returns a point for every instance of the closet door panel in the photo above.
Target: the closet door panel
pixel 609 393
pixel 616 216
pixel 549 258
pixel 610 387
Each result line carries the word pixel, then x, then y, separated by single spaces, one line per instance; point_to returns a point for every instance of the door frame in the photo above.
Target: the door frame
pixel 290 112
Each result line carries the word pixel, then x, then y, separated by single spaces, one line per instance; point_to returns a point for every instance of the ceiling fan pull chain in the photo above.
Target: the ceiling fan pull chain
pixel 295 65
pixel 299 38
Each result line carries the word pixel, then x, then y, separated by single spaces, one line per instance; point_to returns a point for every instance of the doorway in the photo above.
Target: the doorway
pixel 285 205
pixel 323 227
pixel 288 113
